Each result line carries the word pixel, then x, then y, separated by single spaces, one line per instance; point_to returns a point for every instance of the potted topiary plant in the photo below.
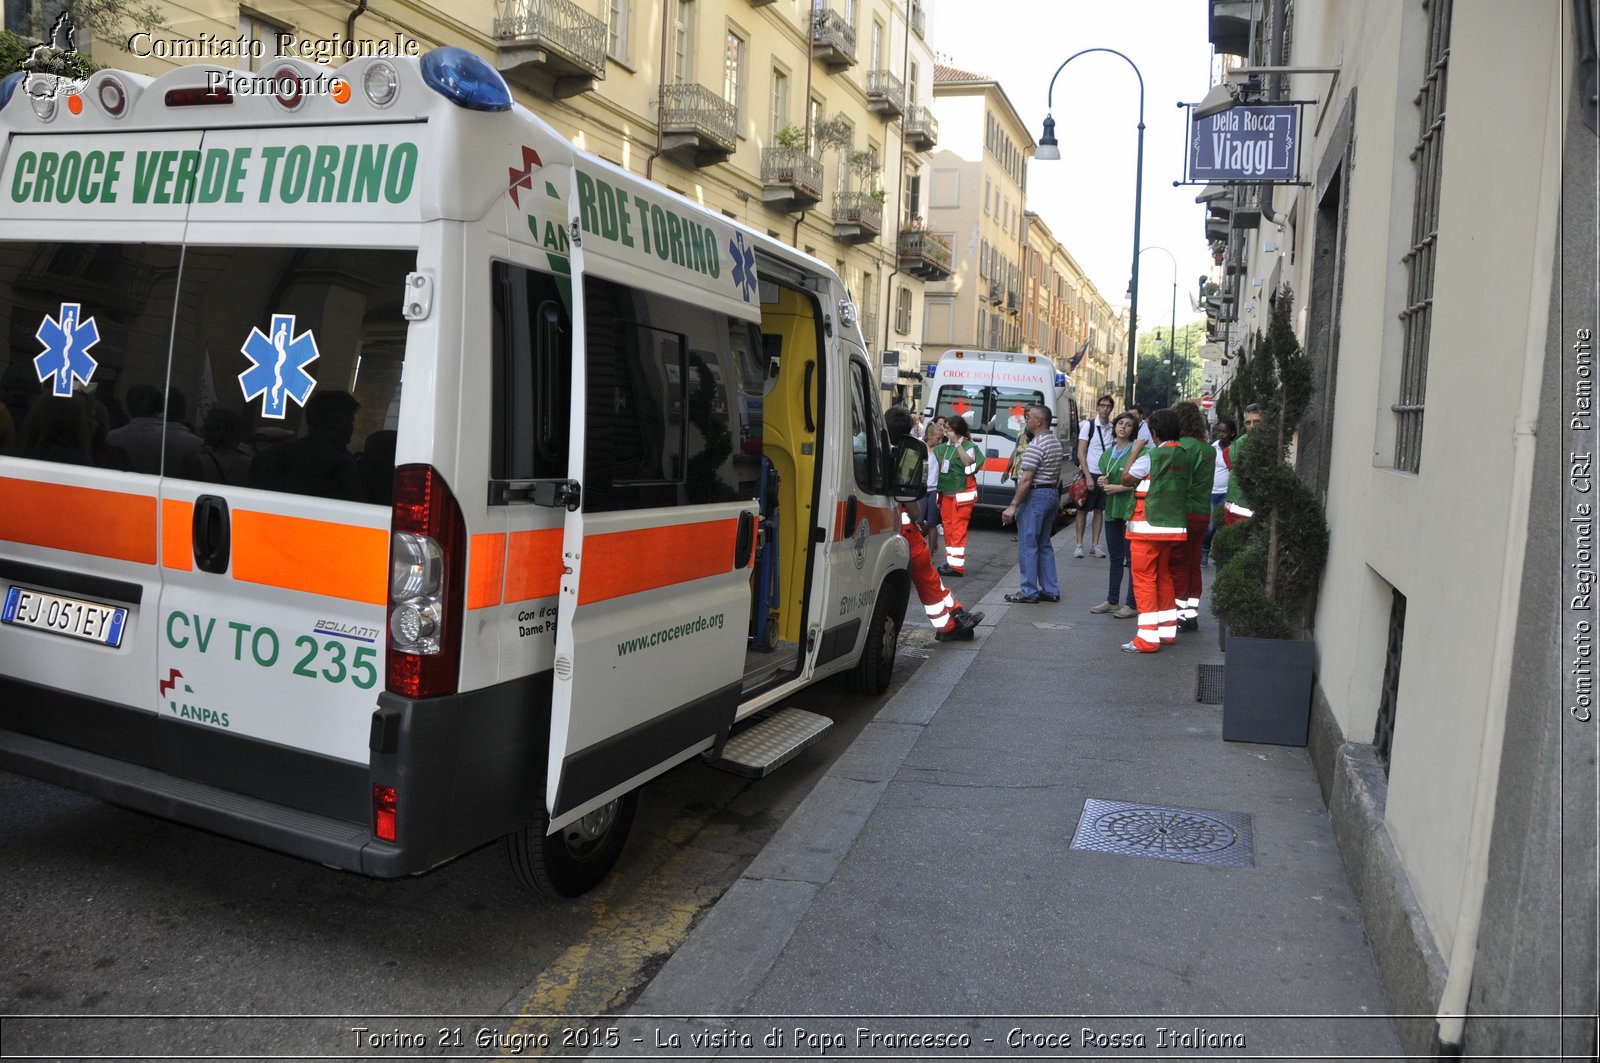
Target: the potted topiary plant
pixel 1271 564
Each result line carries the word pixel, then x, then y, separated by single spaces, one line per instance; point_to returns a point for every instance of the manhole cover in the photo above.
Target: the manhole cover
pixel 1208 691
pixel 1194 836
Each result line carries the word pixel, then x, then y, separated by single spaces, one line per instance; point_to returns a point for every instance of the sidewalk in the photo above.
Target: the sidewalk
pixel 927 886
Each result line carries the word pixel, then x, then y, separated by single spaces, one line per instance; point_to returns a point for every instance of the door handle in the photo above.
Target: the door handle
pixel 811 372
pixel 850 516
pixel 211 534
pixel 744 542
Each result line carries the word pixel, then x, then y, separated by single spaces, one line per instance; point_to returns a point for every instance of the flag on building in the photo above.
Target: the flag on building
pixel 1072 363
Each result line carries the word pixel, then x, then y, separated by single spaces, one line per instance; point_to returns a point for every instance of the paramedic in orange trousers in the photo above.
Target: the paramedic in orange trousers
pixel 958 462
pixel 1159 522
pixel 949 619
pixel 1186 555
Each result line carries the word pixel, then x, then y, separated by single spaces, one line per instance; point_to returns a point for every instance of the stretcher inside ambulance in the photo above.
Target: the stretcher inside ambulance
pixel 385 477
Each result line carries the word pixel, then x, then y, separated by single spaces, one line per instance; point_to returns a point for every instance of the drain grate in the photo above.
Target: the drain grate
pixel 1208 688
pixel 1193 836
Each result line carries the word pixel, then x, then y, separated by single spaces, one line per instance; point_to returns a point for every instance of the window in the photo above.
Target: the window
pixel 1417 317
pixel 877 45
pixel 911 84
pixel 617 18
pixel 683 19
pixel 733 72
pixel 263 36
pixel 670 388
pixel 902 311
pixel 988 190
pixel 531 336
pixel 914 194
pixel 779 103
pixel 983 258
pixel 865 446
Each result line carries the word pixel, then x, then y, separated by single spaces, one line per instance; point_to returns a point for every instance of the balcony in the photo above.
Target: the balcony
pixel 994 291
pixel 1013 301
pixel 857 217
pixel 921 128
pixel 926 255
pixel 552 47
pixel 697 125
pixel 760 3
pixel 886 94
pixel 833 40
pixel 919 20
pixel 791 180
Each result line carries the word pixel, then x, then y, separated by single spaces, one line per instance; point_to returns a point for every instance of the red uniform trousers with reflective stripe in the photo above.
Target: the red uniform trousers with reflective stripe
pixel 1185 565
pixel 1150 563
pixel 956 517
pixel 936 599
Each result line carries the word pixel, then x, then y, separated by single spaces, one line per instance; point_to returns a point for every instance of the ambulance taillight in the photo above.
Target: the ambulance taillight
pixel 427 578
pixel 385 805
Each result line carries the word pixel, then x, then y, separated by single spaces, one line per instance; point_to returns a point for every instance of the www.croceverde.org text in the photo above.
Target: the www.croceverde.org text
pixel 668 634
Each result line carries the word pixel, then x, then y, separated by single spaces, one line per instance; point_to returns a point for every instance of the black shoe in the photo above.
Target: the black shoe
pixel 1022 599
pixel 946 570
pixel 1049 597
pixel 1188 625
pixel 965 624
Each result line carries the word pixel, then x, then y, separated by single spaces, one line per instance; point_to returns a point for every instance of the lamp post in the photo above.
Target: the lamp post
pixel 1172 344
pixel 1050 150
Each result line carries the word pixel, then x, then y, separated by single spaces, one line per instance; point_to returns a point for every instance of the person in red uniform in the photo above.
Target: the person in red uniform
pixel 1160 475
pixel 950 620
pixel 1186 555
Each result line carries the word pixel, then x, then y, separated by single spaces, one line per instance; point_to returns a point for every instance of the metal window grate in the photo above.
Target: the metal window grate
pixel 1389 701
pixel 1417 317
pixel 1208 684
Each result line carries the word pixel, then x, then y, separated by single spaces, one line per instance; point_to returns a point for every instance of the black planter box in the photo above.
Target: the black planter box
pixel 1266 691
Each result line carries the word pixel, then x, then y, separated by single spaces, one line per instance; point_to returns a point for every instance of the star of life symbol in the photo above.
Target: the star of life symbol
pixel 278 366
pixel 744 266
pixel 67 339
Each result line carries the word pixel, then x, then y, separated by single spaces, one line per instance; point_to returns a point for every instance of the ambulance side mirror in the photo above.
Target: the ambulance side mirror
pixel 909 460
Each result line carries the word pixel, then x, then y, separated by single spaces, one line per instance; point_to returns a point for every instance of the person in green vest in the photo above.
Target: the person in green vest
pixel 958 460
pixel 1186 555
pixel 1160 476
pixel 1235 507
pixel 1114 460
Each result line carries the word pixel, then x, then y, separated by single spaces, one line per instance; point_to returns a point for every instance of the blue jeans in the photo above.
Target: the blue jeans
pixel 1117 544
pixel 1035 555
pixel 1211 529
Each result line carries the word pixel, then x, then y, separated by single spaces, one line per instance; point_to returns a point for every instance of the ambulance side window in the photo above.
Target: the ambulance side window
pixel 865 444
pixel 672 414
pixel 531 335
pixel 83 361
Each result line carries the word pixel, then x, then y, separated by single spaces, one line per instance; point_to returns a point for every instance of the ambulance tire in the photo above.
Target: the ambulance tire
pixel 875 669
pixel 575 859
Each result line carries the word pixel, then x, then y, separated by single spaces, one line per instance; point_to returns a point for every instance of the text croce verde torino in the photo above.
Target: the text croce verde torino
pixel 327 173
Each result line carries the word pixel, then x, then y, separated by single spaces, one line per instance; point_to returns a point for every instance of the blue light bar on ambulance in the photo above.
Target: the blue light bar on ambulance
pixel 8 85
pixel 931 369
pixel 466 80
pixel 1061 380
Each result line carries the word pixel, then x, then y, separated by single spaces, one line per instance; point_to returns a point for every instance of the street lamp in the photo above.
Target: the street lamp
pixel 1172 345
pixel 1049 150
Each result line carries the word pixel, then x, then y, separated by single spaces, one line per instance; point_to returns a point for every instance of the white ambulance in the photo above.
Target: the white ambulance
pixel 382 476
pixel 992 391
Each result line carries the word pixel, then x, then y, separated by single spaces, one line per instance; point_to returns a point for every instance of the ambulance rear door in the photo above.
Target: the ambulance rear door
pixel 86 288
pixel 288 353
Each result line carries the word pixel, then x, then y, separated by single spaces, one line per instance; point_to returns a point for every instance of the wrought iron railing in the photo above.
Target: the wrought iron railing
pixel 921 249
pixel 885 86
pixel 829 29
pixel 696 109
pixel 859 208
pixel 791 166
pixel 561 24
pixel 921 124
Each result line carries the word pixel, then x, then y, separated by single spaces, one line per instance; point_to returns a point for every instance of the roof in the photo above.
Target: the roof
pixel 944 74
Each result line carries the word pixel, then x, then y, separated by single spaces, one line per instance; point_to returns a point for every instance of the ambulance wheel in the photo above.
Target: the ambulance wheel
pixel 872 673
pixel 574 859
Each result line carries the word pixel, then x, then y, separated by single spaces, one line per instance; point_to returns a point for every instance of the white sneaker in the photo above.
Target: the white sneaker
pixel 1098 551
pixel 1077 551
pixel 1103 607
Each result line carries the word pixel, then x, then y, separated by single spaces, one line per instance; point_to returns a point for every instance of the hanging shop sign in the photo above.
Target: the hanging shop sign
pixel 1249 142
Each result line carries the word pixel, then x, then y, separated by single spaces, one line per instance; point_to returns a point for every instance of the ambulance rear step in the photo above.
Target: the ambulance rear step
pixel 768 744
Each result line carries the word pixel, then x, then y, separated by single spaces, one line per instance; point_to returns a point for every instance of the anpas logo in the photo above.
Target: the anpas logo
pixel 182 708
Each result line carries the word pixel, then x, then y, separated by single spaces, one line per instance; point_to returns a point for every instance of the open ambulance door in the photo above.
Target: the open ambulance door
pixel 656 586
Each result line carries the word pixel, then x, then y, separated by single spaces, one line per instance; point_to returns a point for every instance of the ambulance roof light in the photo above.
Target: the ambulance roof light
pixel 8 85
pixel 1061 380
pixel 465 79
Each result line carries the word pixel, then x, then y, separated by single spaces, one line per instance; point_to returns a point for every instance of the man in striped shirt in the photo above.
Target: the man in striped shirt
pixel 1033 508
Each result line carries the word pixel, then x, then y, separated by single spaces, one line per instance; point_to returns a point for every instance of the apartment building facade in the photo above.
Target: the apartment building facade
pixel 810 120
pixel 1064 316
pixel 1441 256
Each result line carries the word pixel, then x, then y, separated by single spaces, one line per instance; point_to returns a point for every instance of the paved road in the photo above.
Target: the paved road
pixel 106 912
